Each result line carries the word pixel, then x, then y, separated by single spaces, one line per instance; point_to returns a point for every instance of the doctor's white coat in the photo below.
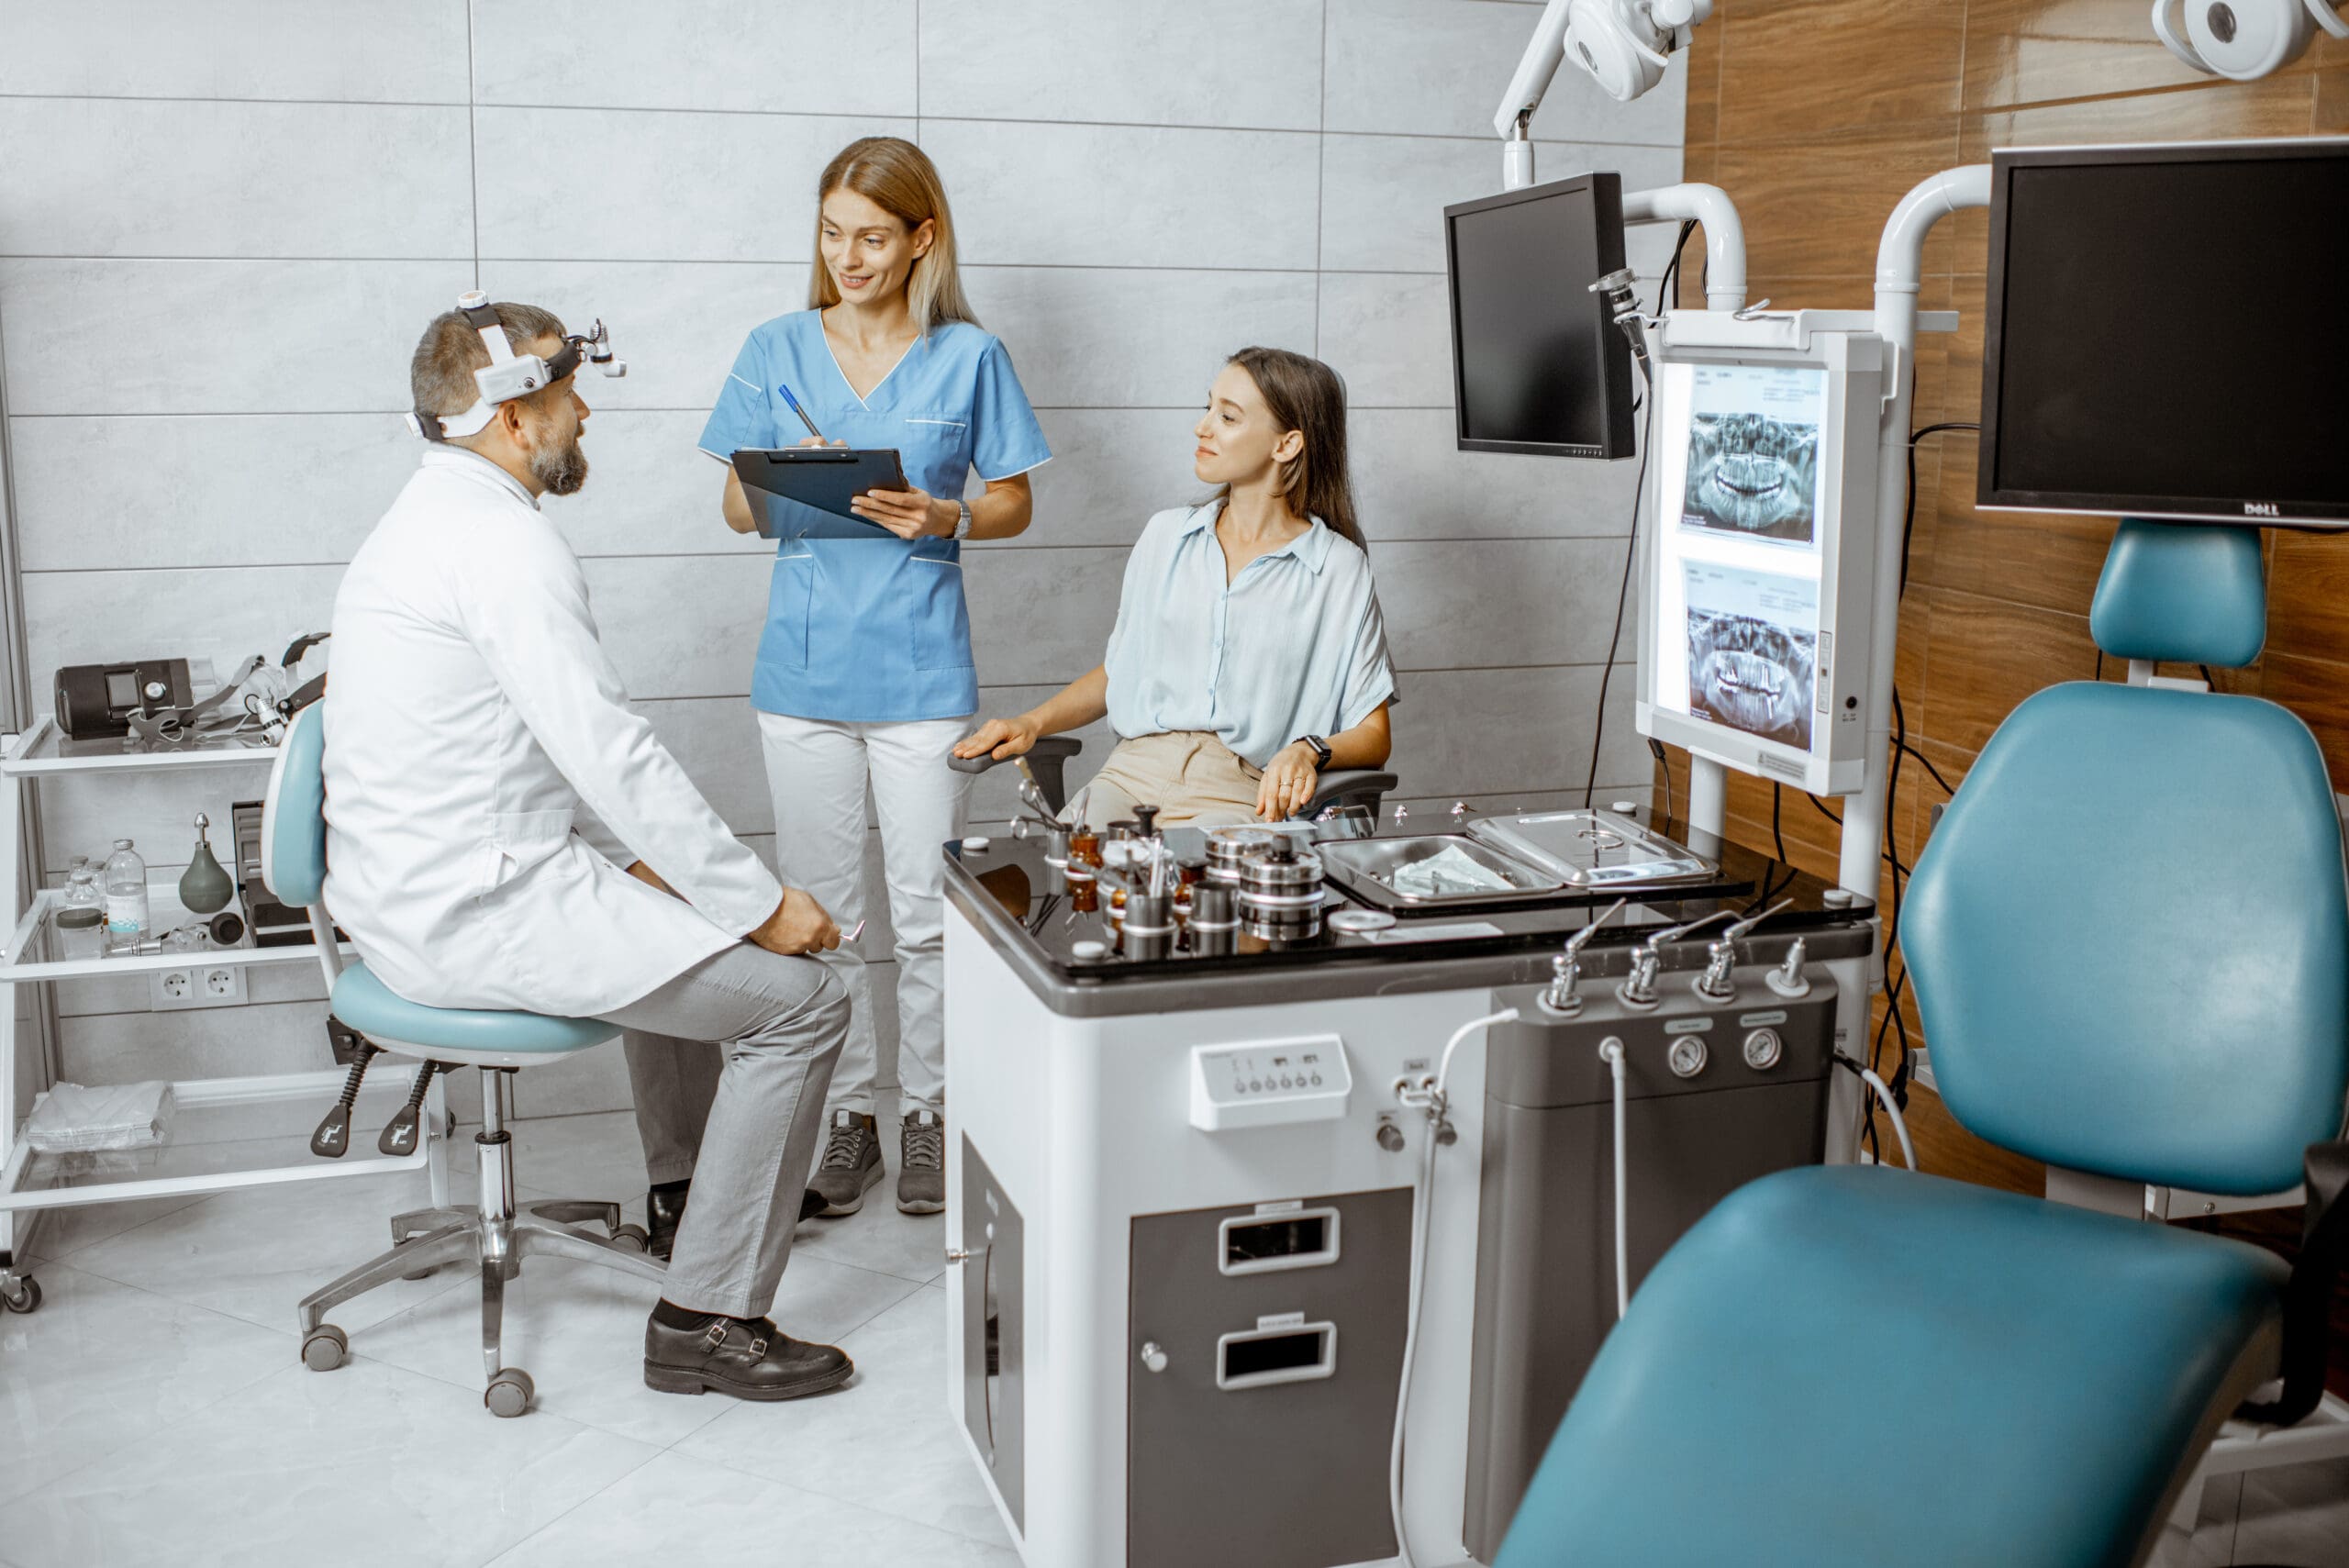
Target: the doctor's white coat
pixel 487 783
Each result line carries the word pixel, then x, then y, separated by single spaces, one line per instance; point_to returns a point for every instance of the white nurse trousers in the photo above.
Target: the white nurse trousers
pixel 818 771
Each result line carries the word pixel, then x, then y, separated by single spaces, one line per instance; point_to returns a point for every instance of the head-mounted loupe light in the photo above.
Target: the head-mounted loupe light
pixel 509 375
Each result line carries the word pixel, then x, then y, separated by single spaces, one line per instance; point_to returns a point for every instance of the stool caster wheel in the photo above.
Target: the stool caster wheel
pixel 509 1392
pixel 635 1238
pixel 324 1348
pixel 27 1298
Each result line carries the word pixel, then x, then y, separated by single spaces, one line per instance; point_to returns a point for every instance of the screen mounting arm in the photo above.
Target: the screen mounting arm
pixel 1899 264
pixel 1512 121
pixel 1710 207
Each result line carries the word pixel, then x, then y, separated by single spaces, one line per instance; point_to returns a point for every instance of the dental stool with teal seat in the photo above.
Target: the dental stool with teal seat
pixel 2130 939
pixel 495 1232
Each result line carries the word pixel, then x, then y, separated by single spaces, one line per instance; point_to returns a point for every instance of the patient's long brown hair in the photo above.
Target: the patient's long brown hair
pixel 1306 396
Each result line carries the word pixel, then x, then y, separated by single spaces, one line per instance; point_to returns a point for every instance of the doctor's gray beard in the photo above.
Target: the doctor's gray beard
pixel 560 472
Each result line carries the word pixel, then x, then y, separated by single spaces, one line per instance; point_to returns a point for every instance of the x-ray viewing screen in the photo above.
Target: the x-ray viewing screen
pixel 1754 452
pixel 1753 649
pixel 1740 545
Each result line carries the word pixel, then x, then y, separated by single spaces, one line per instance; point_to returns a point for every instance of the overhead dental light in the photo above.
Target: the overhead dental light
pixel 509 375
pixel 2244 39
pixel 1626 46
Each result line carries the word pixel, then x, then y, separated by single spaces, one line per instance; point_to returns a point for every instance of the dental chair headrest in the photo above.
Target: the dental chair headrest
pixel 2181 594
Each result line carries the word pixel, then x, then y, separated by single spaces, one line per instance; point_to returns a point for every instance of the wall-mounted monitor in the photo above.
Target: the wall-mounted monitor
pixel 2165 335
pixel 1759 554
pixel 1538 364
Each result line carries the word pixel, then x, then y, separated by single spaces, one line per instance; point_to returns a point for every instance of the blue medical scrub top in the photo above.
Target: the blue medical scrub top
pixel 873 628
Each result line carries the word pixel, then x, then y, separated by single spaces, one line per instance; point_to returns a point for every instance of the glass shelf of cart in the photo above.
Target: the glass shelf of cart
pixel 45 748
pixel 32 953
pixel 223 1133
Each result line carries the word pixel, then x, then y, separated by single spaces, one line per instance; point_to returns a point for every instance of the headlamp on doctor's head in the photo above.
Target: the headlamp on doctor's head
pixel 509 375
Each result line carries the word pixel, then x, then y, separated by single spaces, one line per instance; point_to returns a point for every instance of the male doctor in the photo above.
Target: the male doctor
pixel 504 832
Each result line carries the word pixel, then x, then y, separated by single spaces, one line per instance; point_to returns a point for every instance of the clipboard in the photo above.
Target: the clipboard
pixel 825 478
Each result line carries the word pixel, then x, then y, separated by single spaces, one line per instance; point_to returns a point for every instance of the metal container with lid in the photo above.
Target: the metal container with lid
pixel 1149 930
pixel 1228 847
pixel 1214 926
pixel 1280 894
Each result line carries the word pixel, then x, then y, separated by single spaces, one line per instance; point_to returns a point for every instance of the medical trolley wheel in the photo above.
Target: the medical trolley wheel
pixel 27 1298
pixel 509 1392
pixel 324 1348
pixel 633 1237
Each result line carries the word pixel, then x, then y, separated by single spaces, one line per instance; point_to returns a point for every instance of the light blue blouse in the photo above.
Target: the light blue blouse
pixel 862 626
pixel 1294 646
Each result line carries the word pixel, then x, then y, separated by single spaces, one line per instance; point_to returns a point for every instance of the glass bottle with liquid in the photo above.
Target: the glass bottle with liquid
pixel 127 916
pixel 81 913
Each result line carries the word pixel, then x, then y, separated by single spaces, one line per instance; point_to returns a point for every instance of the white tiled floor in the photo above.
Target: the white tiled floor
pixel 154 1409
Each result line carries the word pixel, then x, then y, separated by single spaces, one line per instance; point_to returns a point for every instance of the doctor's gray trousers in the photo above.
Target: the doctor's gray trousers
pixel 766 1030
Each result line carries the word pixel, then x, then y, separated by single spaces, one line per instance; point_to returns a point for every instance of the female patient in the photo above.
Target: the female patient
pixel 1249 654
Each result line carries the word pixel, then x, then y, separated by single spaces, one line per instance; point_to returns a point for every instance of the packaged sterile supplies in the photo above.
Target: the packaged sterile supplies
pixel 72 1118
pixel 1450 870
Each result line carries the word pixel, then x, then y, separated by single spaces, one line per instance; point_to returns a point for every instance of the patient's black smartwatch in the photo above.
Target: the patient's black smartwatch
pixel 1320 752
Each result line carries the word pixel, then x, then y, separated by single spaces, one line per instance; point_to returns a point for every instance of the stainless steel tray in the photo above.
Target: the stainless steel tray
pixel 1361 866
pixel 1593 849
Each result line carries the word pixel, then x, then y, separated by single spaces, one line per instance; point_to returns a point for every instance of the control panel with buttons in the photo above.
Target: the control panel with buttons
pixel 1267 1082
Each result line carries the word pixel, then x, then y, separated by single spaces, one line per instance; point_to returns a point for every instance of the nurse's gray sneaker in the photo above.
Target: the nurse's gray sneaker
pixel 851 1165
pixel 921 1164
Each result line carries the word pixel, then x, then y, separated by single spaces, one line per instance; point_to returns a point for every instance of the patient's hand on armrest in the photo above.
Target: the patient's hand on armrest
pixel 1002 739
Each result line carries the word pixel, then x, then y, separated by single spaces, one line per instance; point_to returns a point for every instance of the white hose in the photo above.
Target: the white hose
pixel 1423 1214
pixel 1610 1050
pixel 1900 1124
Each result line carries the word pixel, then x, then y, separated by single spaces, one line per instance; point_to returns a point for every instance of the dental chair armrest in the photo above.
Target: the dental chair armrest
pixel 1045 760
pixel 2308 1299
pixel 1347 786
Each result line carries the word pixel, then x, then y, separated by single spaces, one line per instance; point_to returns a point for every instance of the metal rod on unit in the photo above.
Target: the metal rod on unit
pixel 1898 266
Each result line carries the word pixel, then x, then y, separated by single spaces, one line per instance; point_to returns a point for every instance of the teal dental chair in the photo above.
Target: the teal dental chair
pixel 493 1232
pixel 2131 949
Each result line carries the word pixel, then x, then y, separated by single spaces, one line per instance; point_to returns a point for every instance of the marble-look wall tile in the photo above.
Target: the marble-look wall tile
pixel 1411 480
pixel 1435 68
pixel 122 177
pixel 677 326
pixel 742 55
pixel 204 489
pixel 660 186
pixel 1112 469
pixel 1479 604
pixel 1138 338
pixel 1093 195
pixel 237 49
pixel 1382 196
pixel 1207 62
pixel 187 337
pixel 1389 334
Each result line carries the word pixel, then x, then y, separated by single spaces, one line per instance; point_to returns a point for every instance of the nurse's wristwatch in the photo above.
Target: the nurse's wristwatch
pixel 1320 749
pixel 962 519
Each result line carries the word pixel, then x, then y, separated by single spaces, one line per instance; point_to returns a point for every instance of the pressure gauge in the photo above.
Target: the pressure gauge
pixel 1687 1056
pixel 1763 1048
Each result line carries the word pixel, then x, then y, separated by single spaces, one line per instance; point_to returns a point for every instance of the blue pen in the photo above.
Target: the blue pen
pixel 798 410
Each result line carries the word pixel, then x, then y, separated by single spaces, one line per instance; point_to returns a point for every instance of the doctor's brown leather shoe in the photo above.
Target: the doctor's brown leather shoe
pixel 747 1357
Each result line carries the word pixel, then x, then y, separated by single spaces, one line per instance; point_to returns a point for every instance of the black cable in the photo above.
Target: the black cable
pixel 1777 835
pixel 2207 679
pixel 1909 521
pixel 1630 554
pixel 1923 761
pixel 1823 811
pixel 2099 664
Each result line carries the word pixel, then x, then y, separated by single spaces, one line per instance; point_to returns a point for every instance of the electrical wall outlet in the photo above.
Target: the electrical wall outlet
pixel 198 985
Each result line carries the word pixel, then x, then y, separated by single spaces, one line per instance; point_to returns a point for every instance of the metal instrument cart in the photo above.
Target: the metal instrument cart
pixel 225 1132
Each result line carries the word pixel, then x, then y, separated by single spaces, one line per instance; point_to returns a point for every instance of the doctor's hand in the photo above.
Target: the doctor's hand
pixel 797 925
pixel 1287 783
pixel 1002 739
pixel 909 514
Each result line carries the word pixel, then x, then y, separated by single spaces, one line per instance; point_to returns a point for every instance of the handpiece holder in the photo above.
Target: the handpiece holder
pixel 1789 979
pixel 1638 989
pixel 1720 958
pixel 1621 290
pixel 1561 998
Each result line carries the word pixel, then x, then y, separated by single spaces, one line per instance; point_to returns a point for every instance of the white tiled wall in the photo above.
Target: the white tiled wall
pixel 221 228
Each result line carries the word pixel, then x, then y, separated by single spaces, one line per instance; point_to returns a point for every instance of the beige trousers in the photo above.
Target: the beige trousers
pixel 1192 777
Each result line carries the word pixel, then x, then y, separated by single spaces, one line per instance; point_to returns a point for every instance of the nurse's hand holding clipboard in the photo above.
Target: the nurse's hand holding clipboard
pixel 909 514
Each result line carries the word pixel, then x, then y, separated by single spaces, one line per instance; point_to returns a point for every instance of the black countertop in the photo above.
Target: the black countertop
pixel 1021 906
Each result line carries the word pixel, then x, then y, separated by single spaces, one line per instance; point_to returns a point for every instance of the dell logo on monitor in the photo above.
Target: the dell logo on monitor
pixel 2261 509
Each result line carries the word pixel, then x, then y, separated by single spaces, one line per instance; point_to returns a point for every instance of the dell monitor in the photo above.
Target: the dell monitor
pixel 2166 333
pixel 1538 364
